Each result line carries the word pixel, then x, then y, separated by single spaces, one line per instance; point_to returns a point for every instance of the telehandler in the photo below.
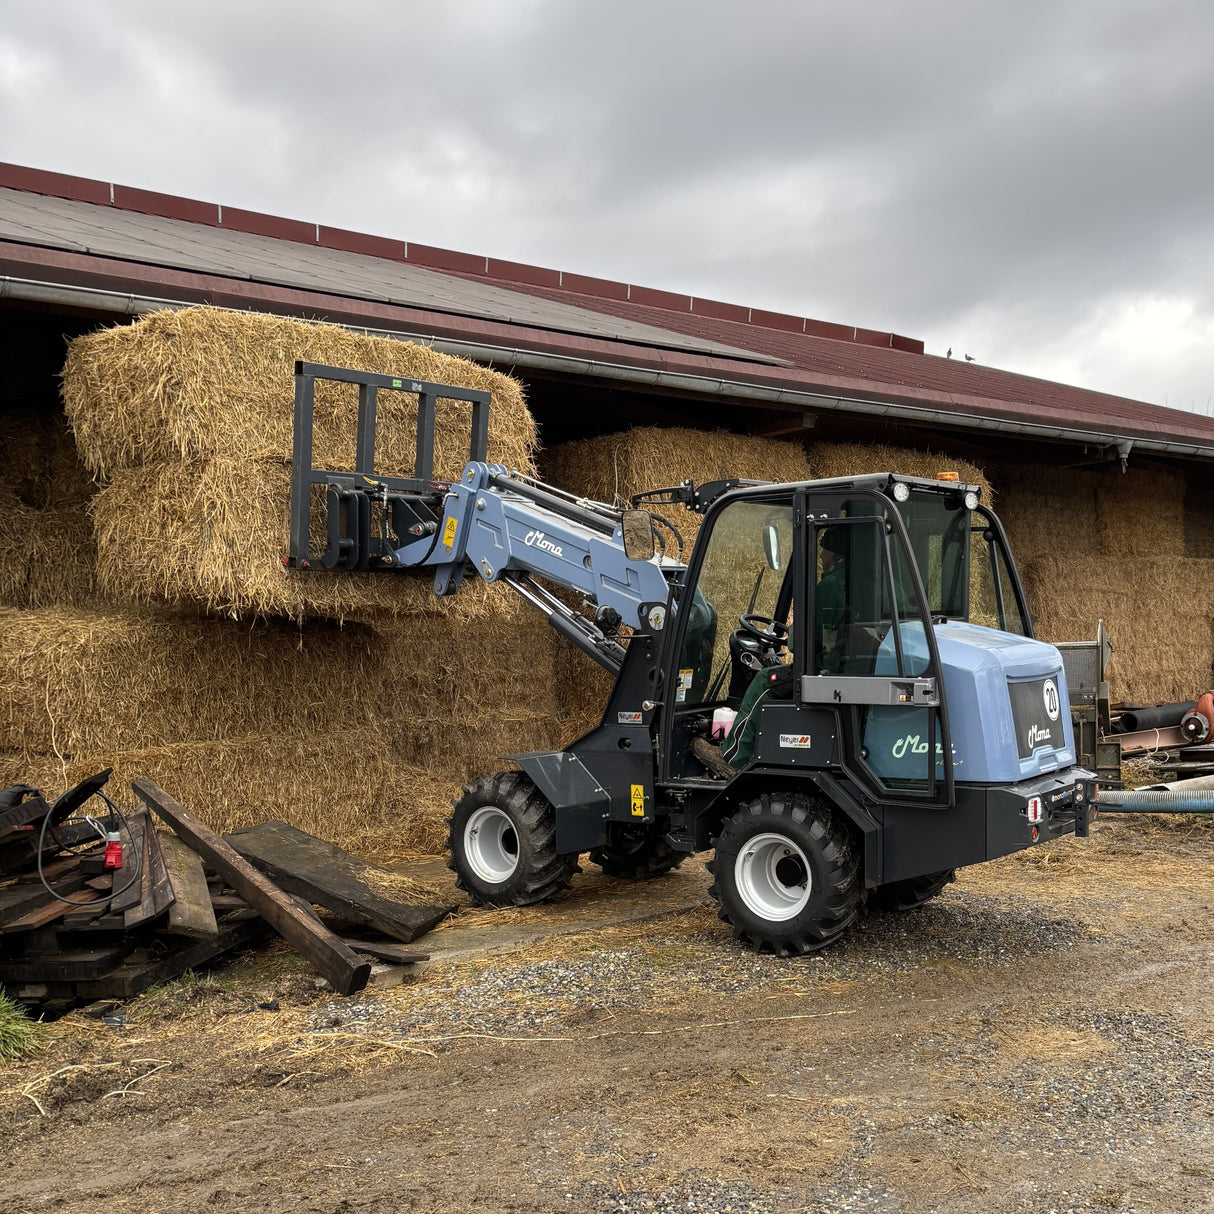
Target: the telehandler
pixel 896 718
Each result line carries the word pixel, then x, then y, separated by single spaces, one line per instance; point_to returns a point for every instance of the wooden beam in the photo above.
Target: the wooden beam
pixel 344 969
pixel 190 913
pixel 157 894
pixel 52 911
pixel 334 879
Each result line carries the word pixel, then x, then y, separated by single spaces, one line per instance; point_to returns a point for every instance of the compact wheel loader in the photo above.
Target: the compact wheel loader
pixel 839 690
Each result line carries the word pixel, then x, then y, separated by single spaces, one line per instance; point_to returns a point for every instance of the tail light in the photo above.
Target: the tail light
pixel 1034 812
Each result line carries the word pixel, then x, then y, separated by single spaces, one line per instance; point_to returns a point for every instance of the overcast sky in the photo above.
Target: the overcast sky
pixel 1029 183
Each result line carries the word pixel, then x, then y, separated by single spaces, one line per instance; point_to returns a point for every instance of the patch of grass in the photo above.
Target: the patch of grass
pixel 19 1035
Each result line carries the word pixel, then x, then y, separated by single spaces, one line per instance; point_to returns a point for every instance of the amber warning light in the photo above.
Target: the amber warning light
pixel 947 476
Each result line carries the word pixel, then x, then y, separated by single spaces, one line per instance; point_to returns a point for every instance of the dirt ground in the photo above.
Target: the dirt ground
pixel 1040 1038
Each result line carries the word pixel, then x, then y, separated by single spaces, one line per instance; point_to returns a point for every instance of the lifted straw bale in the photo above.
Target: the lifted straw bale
pixel 1156 611
pixel 190 416
pixel 213 534
pixel 205 383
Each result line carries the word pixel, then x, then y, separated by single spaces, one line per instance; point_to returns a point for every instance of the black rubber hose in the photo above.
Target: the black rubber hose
pixel 1163 717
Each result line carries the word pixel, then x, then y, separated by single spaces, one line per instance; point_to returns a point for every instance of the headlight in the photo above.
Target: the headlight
pixel 971 501
pixel 901 491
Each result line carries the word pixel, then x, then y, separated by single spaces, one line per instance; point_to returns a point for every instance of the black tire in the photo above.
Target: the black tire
pixel 637 853
pixel 908 894
pixel 792 903
pixel 515 862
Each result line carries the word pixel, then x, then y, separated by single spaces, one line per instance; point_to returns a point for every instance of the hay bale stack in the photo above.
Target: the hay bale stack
pixel 344 786
pixel 189 416
pixel 830 460
pixel 47 557
pixel 94 683
pixel 1156 610
pixel 1141 513
pixel 614 467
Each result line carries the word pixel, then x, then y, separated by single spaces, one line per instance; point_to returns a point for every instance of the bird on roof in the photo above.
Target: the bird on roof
pixel 969 358
pixel 949 352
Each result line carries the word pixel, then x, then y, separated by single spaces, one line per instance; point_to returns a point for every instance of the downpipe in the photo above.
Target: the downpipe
pixel 1140 801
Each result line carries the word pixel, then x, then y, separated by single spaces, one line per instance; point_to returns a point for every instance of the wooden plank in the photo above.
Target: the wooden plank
pixel 51 869
pixel 132 857
pixel 129 979
pixel 18 901
pixel 102 883
pixel 228 902
pixel 157 892
pixel 69 966
pixel 346 971
pixel 386 952
pixel 85 916
pixel 190 913
pixel 334 879
pixel 49 913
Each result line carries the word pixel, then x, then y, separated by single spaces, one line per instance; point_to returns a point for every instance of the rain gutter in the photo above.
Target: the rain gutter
pixel 128 304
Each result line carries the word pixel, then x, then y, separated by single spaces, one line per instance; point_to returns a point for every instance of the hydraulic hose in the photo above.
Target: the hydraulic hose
pixel 1130 801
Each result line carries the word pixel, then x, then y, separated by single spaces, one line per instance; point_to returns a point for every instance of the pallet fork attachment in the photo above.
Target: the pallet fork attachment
pixel 350 494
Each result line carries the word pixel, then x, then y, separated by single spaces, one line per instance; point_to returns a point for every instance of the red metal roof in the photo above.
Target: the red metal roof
pixel 817 357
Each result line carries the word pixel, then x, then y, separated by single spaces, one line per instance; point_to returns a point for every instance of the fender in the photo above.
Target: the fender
pixel 582 804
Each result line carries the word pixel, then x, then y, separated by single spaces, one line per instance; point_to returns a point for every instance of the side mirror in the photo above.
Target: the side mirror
pixel 638 535
pixel 771 547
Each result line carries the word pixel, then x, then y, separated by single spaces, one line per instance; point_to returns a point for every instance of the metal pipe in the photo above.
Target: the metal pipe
pixel 1139 801
pixel 700 385
pixel 1193 784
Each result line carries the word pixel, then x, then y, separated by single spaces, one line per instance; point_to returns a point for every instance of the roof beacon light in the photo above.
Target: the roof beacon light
pixel 947 476
pixel 901 491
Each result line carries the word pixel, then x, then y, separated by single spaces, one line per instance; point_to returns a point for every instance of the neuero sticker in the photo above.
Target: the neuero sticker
pixel 683 686
pixel 797 741
pixel 1049 692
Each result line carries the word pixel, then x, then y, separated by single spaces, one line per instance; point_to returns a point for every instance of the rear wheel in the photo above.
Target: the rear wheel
pixel 786 874
pixel 503 843
pixel 634 853
pixel 908 894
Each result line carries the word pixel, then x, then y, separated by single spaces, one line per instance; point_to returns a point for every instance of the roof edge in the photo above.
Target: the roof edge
pixel 190 210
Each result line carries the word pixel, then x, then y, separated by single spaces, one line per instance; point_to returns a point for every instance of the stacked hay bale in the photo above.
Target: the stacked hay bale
pixel 1111 545
pixel 352 706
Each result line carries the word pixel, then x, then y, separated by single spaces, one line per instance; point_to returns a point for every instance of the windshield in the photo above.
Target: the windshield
pixel 965 566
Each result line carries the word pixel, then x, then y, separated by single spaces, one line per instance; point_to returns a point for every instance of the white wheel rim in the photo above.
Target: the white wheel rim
pixel 491 845
pixel 773 877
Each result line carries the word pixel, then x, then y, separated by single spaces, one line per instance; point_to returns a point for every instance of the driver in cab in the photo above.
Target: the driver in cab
pixel 775 682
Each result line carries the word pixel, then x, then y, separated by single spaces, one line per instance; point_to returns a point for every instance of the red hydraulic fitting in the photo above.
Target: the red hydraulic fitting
pixel 113 851
pixel 1198 723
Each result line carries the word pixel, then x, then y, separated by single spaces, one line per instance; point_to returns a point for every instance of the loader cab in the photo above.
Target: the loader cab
pixel 841 581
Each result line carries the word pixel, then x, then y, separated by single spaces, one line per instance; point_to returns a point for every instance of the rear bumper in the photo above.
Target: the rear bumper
pixel 1067 803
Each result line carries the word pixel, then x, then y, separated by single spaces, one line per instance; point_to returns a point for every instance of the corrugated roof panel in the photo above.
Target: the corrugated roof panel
pixel 177 244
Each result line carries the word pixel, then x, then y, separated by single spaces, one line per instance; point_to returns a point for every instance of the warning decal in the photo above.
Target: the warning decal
pixel 638 800
pixel 449 531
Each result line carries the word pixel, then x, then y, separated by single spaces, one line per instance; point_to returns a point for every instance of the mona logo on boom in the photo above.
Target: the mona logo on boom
pixel 537 539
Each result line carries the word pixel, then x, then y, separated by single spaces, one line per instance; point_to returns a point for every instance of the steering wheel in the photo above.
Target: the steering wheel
pixel 764 629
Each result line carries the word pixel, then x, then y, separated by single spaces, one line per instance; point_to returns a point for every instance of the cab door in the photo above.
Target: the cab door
pixel 870 651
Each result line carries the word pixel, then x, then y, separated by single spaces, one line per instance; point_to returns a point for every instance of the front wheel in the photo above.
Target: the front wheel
pixel 503 843
pixel 786 874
